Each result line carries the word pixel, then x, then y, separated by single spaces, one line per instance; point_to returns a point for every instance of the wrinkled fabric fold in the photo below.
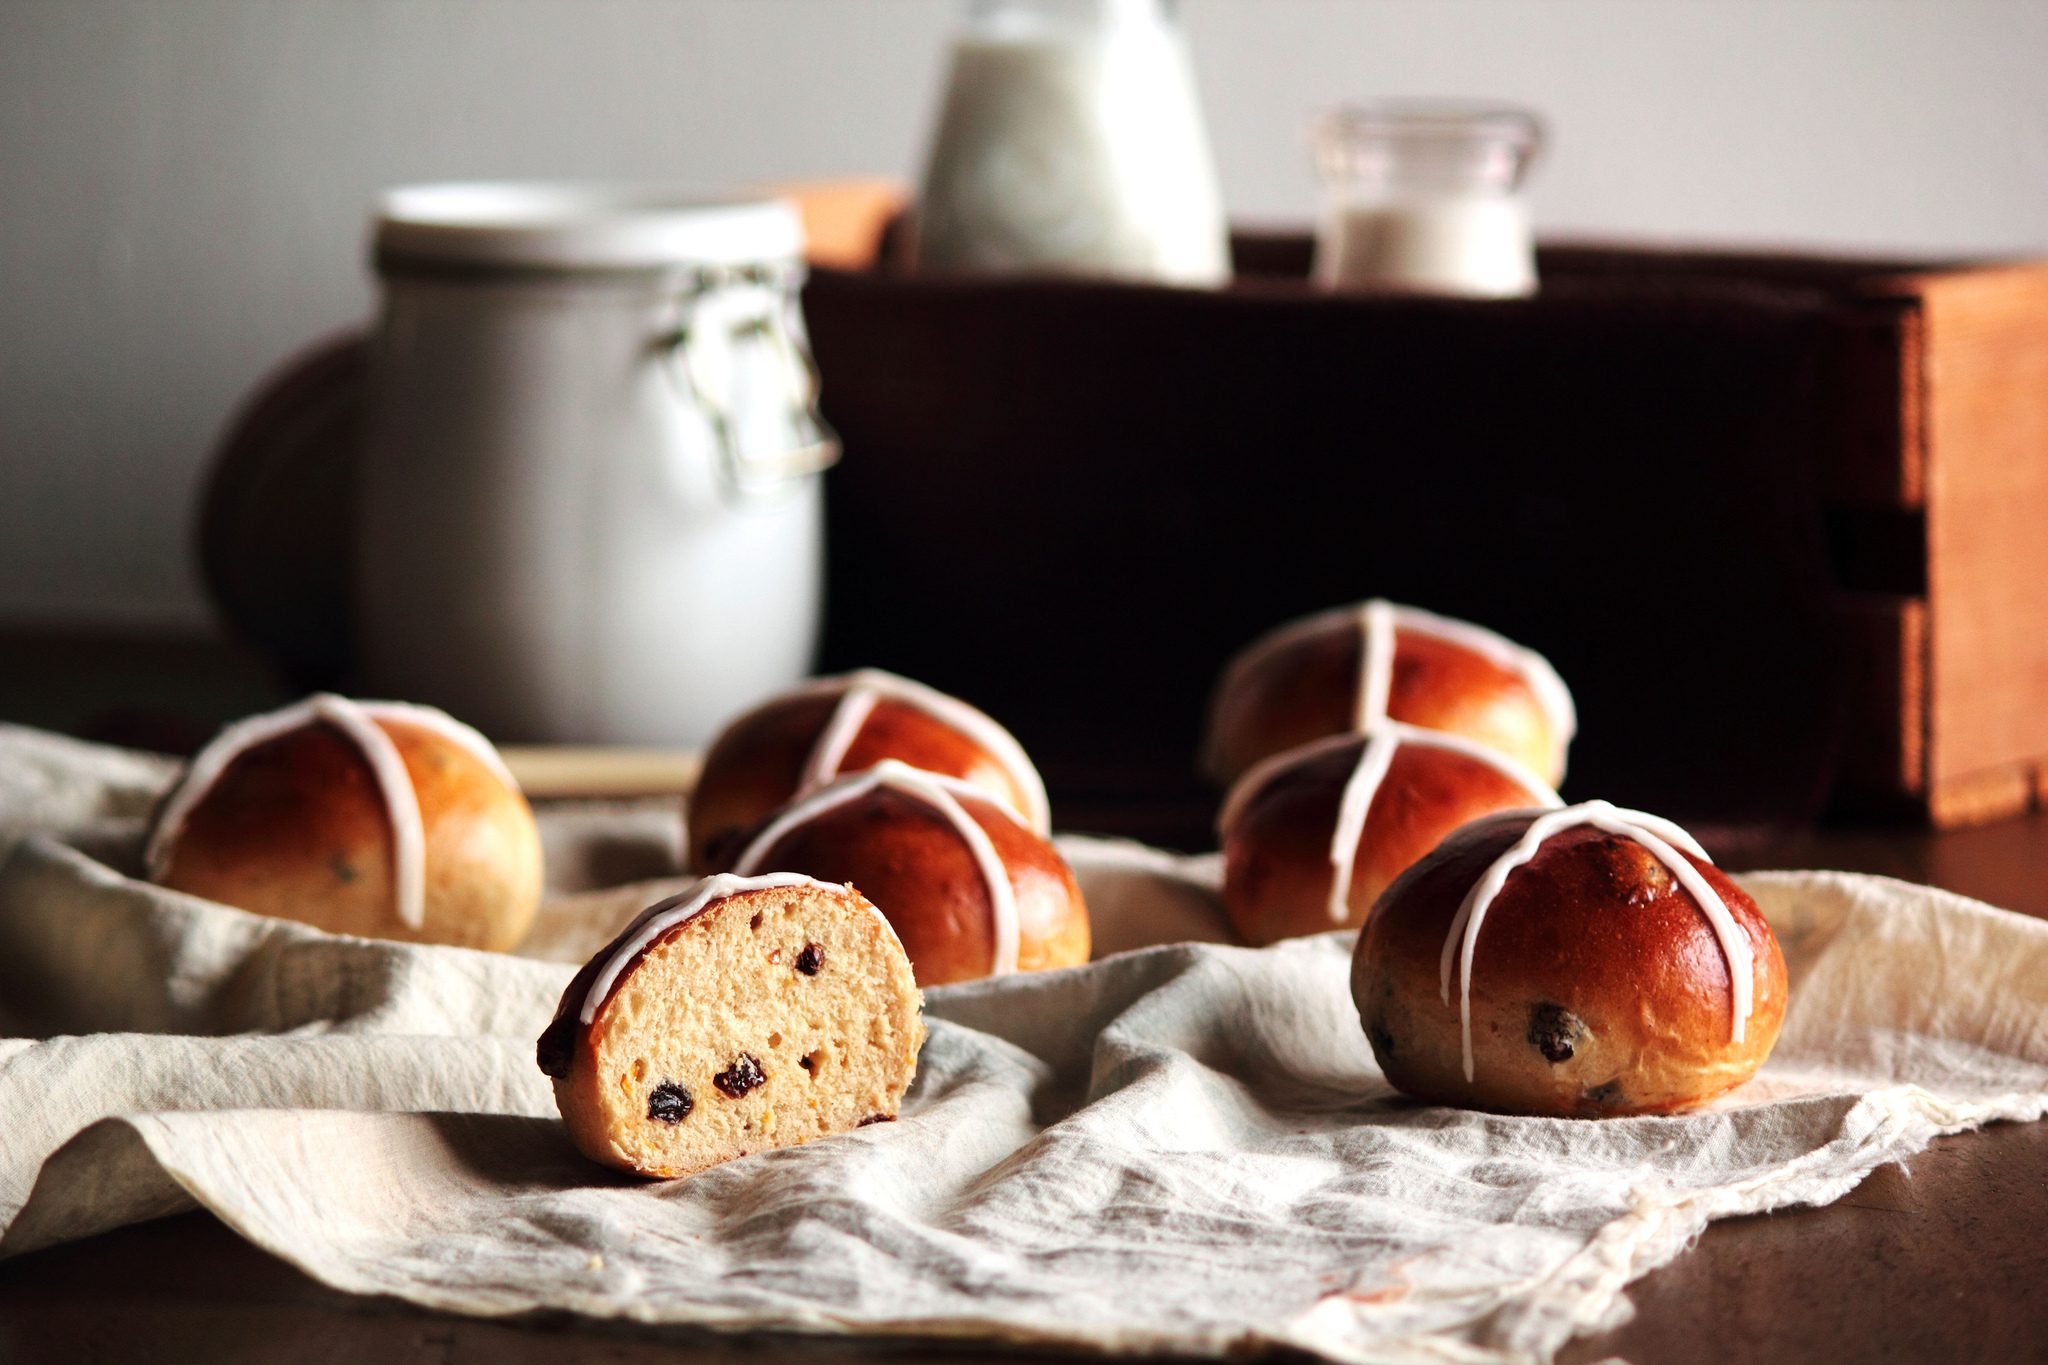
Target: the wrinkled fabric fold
pixel 1183 1147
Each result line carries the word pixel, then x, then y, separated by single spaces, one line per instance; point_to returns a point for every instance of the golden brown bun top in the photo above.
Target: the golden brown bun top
pixel 752 768
pixel 1594 926
pixel 1304 682
pixel 1571 902
pixel 309 787
pixel 298 826
pixel 758 763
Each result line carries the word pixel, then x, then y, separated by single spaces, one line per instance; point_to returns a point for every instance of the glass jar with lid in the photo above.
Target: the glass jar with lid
pixel 1427 198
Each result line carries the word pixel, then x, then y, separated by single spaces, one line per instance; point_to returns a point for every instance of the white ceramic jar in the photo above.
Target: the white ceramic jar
pixel 590 504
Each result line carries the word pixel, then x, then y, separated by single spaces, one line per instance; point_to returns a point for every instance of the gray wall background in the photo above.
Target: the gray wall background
pixel 184 183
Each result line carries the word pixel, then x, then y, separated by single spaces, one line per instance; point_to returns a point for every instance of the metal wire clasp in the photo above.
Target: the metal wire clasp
pixel 738 353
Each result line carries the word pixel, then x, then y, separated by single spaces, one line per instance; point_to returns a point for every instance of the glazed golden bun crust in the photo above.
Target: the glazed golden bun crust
pixel 296 827
pixel 910 861
pixel 1276 854
pixel 1598 986
pixel 754 766
pixel 1307 688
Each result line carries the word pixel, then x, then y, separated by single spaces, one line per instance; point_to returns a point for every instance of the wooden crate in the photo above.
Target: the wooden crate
pixel 1072 500
pixel 1932 447
pixel 1954 708
pixel 1973 353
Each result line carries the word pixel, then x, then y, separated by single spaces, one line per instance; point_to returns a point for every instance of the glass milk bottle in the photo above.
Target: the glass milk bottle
pixel 1426 198
pixel 1071 140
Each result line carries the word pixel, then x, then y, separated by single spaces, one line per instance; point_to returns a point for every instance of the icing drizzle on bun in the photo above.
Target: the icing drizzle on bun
pixel 1383 738
pixel 860 690
pixel 1378 622
pixel 1661 837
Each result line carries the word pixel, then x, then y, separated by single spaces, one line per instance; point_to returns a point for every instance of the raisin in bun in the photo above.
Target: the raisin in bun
pixel 970 888
pixel 1313 835
pixel 1581 962
pixel 741 1015
pixel 793 744
pixel 371 818
pixel 1341 670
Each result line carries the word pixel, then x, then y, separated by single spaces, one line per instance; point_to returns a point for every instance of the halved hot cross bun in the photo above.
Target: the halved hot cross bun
pixel 745 1014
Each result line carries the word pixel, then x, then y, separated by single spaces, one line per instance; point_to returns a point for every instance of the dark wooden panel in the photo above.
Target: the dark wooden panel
pixel 1071 502
pixel 1882 770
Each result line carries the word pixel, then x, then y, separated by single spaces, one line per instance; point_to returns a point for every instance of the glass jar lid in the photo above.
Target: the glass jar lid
pixel 1427 145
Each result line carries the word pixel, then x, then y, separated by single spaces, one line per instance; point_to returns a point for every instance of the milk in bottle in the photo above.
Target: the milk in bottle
pixel 1071 140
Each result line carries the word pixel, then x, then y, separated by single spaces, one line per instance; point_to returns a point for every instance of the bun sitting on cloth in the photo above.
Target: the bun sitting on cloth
pixel 1582 962
pixel 373 818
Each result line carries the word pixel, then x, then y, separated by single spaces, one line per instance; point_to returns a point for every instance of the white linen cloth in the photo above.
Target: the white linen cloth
pixel 1183 1147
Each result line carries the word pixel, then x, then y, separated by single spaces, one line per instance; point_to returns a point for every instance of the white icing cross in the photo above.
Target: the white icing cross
pixel 357 720
pixel 1378 620
pixel 1656 835
pixel 860 690
pixel 1375 757
pixel 1375 664
pixel 942 794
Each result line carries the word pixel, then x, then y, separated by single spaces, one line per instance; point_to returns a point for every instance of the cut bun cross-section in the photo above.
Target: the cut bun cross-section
pixel 746 1014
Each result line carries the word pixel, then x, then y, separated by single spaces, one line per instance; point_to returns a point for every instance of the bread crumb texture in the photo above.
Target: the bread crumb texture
pixel 774 1017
